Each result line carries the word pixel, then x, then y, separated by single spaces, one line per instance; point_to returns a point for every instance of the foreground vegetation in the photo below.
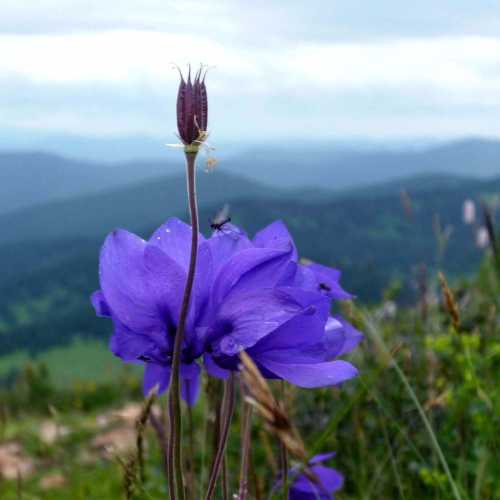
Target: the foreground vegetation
pixel 421 421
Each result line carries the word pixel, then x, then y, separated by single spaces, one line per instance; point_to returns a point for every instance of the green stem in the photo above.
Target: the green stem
pixel 245 447
pixel 227 414
pixel 372 331
pixel 175 452
pixel 283 452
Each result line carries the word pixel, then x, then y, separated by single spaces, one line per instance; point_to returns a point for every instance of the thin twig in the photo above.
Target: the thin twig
pixel 227 413
pixel 162 439
pixel 140 426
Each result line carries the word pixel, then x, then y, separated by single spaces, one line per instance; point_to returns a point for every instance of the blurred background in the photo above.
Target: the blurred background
pixel 365 126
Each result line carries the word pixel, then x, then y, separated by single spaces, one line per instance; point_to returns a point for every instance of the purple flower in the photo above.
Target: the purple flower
pixel 328 482
pixel 248 295
pixel 141 290
pixel 300 340
pixel 192 108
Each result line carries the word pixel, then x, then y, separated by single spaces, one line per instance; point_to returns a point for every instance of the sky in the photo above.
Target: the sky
pixel 279 70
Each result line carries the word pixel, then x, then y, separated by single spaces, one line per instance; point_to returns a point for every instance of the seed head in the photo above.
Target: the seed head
pixel 192 109
pixel 272 412
pixel 450 302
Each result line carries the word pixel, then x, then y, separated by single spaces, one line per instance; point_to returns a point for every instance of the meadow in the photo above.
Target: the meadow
pixel 421 421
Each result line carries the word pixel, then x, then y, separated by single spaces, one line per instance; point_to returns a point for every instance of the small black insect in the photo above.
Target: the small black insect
pixel 325 287
pixel 221 219
pixel 217 224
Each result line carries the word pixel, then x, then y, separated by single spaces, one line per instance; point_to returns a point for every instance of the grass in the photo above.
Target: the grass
pixel 420 422
pixel 80 361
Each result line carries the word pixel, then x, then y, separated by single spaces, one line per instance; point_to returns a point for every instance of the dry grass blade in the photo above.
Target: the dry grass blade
pixel 129 468
pixel 276 419
pixel 450 302
pixel 140 425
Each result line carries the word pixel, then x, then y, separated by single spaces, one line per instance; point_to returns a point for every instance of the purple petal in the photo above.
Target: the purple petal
pixel 275 235
pixel 100 305
pixel 224 244
pixel 244 319
pixel 305 328
pixel 253 268
pixel 311 375
pixel 156 374
pixel 340 337
pixel 165 281
pixel 330 481
pixel 213 369
pixel 328 279
pixel 201 288
pixel 174 238
pixel 128 345
pixel 305 278
pixel 322 457
pixel 141 285
pixel 190 383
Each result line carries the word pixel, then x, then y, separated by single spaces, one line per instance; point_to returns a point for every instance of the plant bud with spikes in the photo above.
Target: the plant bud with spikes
pixel 192 110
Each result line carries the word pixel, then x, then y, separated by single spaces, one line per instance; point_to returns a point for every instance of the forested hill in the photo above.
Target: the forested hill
pixel 35 178
pixel 46 282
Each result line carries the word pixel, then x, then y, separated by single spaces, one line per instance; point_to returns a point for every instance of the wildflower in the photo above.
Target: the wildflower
pixel 250 295
pixel 325 481
pixel 301 339
pixel 192 109
pixel 482 237
pixel 141 291
pixel 469 212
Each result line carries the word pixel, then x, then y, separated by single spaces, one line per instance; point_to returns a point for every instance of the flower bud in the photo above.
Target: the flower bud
pixel 192 109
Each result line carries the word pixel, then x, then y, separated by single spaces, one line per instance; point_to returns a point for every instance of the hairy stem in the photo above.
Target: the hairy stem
pixel 227 414
pixel 175 452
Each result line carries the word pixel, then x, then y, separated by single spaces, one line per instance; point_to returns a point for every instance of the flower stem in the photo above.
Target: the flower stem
pixel 227 414
pixel 283 452
pixel 175 454
pixel 190 463
pixel 246 425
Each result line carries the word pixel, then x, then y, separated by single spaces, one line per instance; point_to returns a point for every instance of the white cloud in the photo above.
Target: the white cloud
pixel 123 79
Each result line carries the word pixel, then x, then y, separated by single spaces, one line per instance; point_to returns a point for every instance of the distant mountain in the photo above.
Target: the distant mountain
pixel 135 207
pixel 28 179
pixel 300 166
pixel 45 283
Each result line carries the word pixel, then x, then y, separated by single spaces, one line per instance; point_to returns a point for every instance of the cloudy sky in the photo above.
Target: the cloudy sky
pixel 343 69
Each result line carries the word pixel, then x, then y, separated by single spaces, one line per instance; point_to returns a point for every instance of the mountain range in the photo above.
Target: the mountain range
pixel 344 208
pixel 34 178
pixel 49 253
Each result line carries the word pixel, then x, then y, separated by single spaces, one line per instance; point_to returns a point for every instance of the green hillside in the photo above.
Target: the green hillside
pixel 46 284
pixel 134 207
